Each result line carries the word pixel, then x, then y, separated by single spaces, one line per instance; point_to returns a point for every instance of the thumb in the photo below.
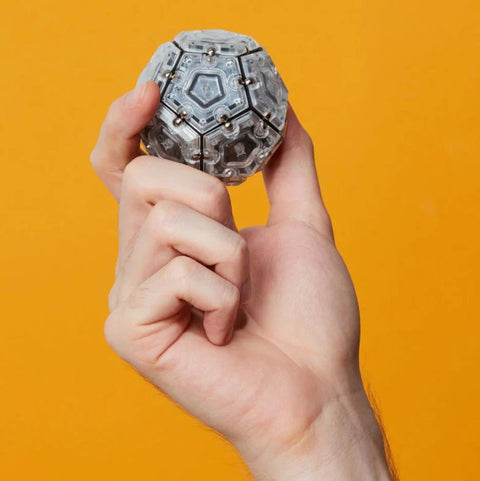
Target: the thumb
pixel 291 180
pixel 119 140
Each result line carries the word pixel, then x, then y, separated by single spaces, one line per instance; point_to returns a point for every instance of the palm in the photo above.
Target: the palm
pixel 264 377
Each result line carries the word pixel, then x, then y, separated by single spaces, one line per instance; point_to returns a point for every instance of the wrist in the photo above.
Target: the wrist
pixel 344 442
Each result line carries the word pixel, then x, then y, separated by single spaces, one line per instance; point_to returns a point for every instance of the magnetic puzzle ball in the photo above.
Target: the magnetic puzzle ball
pixel 223 104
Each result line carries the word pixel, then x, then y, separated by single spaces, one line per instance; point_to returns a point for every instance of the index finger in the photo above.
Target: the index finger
pixel 119 140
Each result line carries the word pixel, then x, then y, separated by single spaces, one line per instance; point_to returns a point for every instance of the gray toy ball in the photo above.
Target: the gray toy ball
pixel 223 104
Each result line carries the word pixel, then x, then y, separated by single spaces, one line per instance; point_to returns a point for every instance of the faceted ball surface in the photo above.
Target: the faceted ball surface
pixel 223 104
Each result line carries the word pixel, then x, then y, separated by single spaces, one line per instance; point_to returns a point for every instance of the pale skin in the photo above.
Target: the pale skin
pixel 255 332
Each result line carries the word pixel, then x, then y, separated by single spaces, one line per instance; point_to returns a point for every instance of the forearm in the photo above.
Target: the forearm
pixel 345 443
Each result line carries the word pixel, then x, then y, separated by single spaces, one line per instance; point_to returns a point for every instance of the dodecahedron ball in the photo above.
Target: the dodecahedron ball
pixel 223 104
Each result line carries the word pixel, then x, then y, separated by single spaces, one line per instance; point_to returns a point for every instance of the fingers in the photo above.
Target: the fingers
pixel 149 180
pixel 172 229
pixel 291 180
pixel 118 141
pixel 160 306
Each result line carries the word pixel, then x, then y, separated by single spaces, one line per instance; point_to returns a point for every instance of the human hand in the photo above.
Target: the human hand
pixel 275 371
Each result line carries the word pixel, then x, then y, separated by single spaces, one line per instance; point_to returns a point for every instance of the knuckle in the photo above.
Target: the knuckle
pixel 231 296
pixel 301 143
pixel 216 200
pixel 307 139
pixel 133 179
pixel 326 223
pixel 113 107
pixel 305 142
pixel 320 221
pixel 135 166
pixel 139 297
pixel 109 330
pixel 163 217
pixel 110 123
pixel 327 220
pixel 94 158
pixel 181 267
pixel 240 249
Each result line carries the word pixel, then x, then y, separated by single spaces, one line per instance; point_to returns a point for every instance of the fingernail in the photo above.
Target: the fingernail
pixel 135 96
pixel 245 292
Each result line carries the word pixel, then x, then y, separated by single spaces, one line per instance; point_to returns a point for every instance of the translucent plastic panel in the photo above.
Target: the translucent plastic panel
pixel 235 154
pixel 179 143
pixel 206 88
pixel 160 65
pixel 267 90
pixel 224 42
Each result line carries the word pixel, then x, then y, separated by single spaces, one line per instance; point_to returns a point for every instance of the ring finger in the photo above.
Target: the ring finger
pixel 173 229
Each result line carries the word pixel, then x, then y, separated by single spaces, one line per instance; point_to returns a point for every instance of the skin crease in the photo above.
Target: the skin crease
pixel 286 389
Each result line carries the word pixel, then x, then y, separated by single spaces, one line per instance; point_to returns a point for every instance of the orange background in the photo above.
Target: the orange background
pixel 390 92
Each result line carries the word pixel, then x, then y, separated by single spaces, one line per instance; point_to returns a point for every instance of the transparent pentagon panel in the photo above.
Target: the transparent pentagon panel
pixel 223 41
pixel 179 143
pixel 206 88
pixel 160 65
pixel 267 91
pixel 233 155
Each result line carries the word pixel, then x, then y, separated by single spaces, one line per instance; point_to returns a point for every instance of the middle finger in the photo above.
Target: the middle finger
pixel 173 229
pixel 148 179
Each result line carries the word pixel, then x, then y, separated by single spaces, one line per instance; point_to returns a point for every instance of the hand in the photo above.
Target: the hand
pixel 254 332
